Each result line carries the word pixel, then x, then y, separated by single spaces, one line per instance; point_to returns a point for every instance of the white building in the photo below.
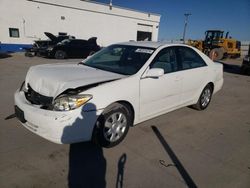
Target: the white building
pixel 23 21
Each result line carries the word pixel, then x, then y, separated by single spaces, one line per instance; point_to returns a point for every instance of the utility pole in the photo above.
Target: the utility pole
pixel 185 26
pixel 110 4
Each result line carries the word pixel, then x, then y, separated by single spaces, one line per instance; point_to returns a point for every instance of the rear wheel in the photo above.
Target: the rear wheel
pixel 205 98
pixel 112 126
pixel 216 54
pixel 60 54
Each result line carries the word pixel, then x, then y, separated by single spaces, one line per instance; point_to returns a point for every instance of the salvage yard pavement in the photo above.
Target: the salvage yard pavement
pixel 181 148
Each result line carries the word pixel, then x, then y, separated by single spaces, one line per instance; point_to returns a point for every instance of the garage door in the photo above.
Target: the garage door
pixel 144 32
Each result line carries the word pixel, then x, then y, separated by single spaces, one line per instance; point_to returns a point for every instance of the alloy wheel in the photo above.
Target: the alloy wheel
pixel 115 126
pixel 206 97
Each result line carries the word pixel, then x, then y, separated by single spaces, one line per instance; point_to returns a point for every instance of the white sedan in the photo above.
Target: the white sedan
pixel 120 86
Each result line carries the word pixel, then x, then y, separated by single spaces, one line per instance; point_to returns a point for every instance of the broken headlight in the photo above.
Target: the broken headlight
pixel 70 102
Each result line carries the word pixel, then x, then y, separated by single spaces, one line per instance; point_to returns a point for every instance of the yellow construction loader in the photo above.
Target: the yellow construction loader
pixel 217 46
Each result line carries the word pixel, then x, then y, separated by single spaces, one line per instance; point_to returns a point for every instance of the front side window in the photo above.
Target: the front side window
pixel 121 59
pixel 189 59
pixel 14 32
pixel 166 60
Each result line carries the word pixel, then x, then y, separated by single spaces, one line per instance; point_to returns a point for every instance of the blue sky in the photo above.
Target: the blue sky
pixel 227 15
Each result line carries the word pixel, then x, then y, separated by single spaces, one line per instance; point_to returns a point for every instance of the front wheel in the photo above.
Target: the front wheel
pixel 205 98
pixel 60 54
pixel 112 126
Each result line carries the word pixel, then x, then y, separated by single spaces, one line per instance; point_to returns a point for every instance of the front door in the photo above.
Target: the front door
pixel 158 95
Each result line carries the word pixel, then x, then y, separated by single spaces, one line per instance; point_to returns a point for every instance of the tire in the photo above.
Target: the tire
pixel 28 54
pixel 205 98
pixel 60 54
pixel 109 131
pixel 216 54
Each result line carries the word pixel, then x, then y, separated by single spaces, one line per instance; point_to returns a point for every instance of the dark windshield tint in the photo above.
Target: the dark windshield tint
pixel 122 59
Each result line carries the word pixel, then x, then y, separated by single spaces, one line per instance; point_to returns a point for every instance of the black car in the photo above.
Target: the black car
pixel 40 46
pixel 245 67
pixel 73 48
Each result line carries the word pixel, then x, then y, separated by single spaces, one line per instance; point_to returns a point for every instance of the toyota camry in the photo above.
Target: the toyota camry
pixel 120 86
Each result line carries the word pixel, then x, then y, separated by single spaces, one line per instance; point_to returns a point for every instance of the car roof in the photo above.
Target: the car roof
pixel 151 44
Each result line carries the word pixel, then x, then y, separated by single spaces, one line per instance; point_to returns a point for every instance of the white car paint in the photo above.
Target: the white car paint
pixel 149 97
pixel 51 80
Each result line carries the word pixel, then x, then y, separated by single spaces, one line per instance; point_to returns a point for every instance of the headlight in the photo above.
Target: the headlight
pixel 70 102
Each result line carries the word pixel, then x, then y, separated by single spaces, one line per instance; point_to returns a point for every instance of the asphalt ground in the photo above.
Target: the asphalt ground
pixel 183 148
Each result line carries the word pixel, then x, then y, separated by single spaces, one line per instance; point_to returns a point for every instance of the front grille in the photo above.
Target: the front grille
pixel 35 98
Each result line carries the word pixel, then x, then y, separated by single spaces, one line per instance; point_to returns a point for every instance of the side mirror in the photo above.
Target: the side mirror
pixel 154 73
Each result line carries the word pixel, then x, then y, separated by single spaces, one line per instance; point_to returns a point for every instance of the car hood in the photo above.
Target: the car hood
pixel 50 36
pixel 53 79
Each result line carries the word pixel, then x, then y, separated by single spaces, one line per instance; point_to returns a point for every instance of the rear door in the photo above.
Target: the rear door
pixel 194 72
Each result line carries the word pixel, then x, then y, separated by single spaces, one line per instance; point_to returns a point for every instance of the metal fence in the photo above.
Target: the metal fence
pixel 244 48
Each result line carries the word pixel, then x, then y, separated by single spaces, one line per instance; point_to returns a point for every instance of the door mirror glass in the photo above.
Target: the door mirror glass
pixel 154 73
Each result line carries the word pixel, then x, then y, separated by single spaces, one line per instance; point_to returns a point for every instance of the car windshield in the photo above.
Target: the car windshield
pixel 121 59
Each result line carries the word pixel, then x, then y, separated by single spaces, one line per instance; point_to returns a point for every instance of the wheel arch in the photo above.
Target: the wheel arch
pixel 198 93
pixel 125 103
pixel 114 104
pixel 129 106
pixel 212 86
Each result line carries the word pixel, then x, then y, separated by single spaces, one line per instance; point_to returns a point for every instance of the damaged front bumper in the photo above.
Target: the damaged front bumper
pixel 59 127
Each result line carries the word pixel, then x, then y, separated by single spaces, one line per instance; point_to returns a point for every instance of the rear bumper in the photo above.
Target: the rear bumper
pixel 58 127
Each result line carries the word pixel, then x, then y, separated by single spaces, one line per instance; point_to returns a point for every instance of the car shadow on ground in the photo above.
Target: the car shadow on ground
pixel 235 69
pixel 229 68
pixel 5 55
pixel 87 166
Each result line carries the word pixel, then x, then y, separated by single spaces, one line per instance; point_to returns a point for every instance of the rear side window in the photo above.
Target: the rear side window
pixel 189 59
